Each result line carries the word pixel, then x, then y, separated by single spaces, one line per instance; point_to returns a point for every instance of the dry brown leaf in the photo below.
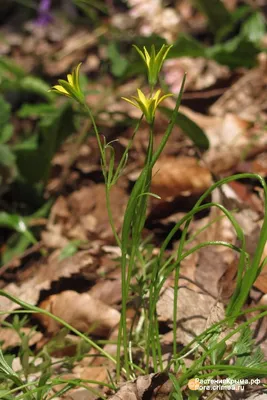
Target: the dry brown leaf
pixel 91 372
pixel 261 282
pixel 259 327
pixel 108 291
pixel 79 394
pixel 53 237
pixel 247 97
pixel 73 48
pixel 235 142
pixel 173 177
pixel 10 338
pixel 90 202
pixel 144 387
pixel 43 276
pixel 257 396
pixel 232 138
pixel 82 311
pixel 193 311
pixel 215 227
pixel 201 73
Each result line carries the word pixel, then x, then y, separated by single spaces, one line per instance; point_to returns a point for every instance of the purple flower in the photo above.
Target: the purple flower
pixel 44 16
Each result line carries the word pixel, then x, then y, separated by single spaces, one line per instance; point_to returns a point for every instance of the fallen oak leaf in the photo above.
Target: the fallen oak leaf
pixel 192 312
pixel 41 278
pixel 81 310
pixel 11 338
pixel 173 177
pixel 143 388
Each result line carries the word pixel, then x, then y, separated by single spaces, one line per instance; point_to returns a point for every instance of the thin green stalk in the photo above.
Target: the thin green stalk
pixel 247 281
pixel 110 216
pixel 223 369
pixel 203 336
pixel 104 166
pixel 187 219
pixel 125 154
pixel 170 126
pixel 133 223
pixel 100 146
pixel 122 325
pixel 244 281
pixel 18 388
pixel 201 359
pixel 38 310
pixel 154 351
pixel 175 305
pixel 157 342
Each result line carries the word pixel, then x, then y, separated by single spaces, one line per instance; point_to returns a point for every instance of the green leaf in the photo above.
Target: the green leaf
pixel 69 250
pixel 7 157
pixel 34 156
pixel 37 86
pixel 4 113
pixel 238 17
pixel 254 28
pixel 237 52
pixel 6 133
pixel 36 110
pixel 119 63
pixel 240 51
pixel 3 394
pixel 44 385
pixel 8 65
pixel 217 14
pixel 186 45
pixel 244 343
pixel 177 392
pixel 17 243
pixel 190 128
pixel 149 41
pixel 17 223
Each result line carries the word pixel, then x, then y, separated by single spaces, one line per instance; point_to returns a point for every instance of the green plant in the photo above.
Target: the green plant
pixel 233 35
pixel 212 357
pixel 134 220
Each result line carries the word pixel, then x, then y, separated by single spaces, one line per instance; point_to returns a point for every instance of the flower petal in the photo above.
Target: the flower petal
pixel 147 56
pixel 163 98
pixel 142 98
pixel 131 102
pixel 70 79
pixel 76 74
pixel 60 89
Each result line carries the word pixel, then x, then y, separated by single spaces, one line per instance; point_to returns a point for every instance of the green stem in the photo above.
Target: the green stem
pixel 100 146
pixel 110 216
pixel 38 310
pixel 200 360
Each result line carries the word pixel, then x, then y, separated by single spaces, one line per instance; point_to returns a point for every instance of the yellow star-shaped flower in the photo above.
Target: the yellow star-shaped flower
pixel 147 105
pixel 153 61
pixel 71 86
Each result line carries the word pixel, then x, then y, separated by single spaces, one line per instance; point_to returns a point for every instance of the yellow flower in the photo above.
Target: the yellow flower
pixel 71 87
pixel 147 105
pixel 153 61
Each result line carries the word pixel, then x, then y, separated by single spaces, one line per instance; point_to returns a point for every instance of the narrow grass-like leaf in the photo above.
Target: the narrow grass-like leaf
pixel 190 128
